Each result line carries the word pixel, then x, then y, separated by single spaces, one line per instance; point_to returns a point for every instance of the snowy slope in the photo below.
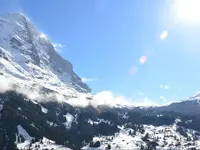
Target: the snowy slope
pixel 161 137
pixel 28 55
pixel 29 144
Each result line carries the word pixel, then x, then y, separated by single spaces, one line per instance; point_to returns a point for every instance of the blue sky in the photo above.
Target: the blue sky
pixel 117 45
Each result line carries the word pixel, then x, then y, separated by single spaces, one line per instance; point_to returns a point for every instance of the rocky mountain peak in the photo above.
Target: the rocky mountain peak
pixel 25 46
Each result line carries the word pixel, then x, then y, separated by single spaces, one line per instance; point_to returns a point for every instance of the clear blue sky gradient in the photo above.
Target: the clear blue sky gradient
pixel 105 38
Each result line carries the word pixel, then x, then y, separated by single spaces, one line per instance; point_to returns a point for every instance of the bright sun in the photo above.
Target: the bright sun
pixel 188 9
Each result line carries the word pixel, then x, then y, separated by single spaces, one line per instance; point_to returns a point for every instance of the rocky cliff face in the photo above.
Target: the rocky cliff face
pixel 31 55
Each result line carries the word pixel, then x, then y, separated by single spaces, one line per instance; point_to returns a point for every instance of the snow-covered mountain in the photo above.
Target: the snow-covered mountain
pixel 45 105
pixel 189 106
pixel 28 55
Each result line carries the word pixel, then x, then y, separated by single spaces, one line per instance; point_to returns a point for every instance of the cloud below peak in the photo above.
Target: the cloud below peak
pixel 108 98
pixel 101 98
pixel 145 102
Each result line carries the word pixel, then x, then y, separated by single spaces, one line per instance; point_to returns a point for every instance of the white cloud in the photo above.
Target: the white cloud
pixel 5 84
pixel 88 79
pixel 163 35
pixel 101 98
pixel 145 102
pixel 133 70
pixel 143 59
pixel 80 101
pixel 58 47
pixel 162 98
pixel 107 98
pixel 165 87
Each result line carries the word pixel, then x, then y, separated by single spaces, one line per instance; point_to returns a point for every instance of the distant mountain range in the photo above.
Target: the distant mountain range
pixel 41 103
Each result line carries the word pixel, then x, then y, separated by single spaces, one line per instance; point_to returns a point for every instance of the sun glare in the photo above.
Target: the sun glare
pixel 188 9
pixel 163 35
